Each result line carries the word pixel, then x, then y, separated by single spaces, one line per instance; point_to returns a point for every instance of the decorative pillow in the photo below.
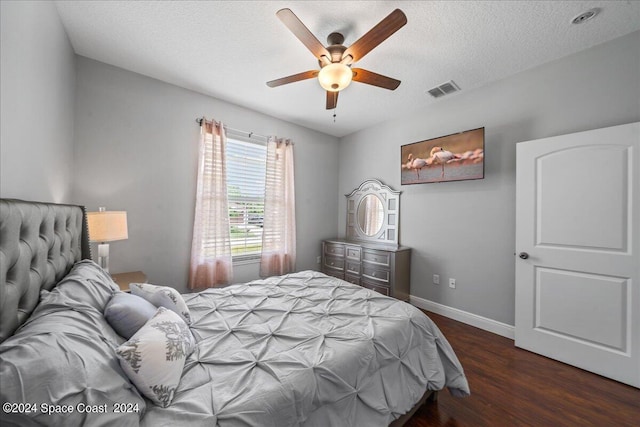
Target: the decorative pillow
pixel 127 313
pixel 162 296
pixel 154 357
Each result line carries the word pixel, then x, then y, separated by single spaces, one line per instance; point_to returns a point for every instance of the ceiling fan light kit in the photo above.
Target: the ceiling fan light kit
pixel 335 77
pixel 335 60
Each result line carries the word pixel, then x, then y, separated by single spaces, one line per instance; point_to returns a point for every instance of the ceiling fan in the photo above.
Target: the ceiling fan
pixel 335 60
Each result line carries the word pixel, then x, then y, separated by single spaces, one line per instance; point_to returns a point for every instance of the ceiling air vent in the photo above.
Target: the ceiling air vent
pixel 584 17
pixel 444 89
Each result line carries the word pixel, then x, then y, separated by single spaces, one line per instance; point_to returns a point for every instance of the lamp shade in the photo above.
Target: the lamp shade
pixel 335 77
pixel 107 226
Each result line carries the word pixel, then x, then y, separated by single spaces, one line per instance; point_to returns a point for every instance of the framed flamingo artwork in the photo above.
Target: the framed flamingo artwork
pixel 456 157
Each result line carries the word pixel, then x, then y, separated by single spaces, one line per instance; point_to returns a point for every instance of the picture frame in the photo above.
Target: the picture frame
pixel 455 157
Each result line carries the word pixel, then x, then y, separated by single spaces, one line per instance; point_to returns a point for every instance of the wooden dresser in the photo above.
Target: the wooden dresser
pixel 382 268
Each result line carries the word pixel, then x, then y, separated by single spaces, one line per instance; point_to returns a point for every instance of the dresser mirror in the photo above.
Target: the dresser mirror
pixel 373 213
pixel 370 214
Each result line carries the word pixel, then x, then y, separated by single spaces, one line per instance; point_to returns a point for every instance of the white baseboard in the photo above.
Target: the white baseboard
pixel 484 323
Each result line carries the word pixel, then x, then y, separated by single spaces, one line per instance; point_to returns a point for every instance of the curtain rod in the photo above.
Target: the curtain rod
pixel 228 129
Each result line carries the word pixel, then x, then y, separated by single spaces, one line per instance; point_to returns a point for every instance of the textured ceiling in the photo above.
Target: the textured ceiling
pixel 229 49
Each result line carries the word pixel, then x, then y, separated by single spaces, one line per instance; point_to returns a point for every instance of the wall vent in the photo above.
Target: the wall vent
pixel 444 89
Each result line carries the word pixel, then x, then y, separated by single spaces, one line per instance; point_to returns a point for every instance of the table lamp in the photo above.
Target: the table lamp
pixel 106 226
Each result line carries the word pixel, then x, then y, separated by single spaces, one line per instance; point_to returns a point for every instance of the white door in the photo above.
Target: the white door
pixel 578 250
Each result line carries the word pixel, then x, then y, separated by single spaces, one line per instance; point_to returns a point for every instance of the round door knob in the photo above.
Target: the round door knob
pixel 523 255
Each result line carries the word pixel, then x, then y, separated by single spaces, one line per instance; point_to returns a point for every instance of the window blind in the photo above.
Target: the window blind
pixel 246 167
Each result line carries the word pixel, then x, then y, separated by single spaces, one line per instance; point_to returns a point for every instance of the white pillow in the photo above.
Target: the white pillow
pixel 154 357
pixel 162 296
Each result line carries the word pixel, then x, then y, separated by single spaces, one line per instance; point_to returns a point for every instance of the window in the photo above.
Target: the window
pixel 246 167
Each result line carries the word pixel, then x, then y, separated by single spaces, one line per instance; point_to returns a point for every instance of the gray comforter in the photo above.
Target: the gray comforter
pixel 303 349
pixel 307 349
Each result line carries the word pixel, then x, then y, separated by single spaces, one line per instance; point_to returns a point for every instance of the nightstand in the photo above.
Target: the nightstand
pixel 123 279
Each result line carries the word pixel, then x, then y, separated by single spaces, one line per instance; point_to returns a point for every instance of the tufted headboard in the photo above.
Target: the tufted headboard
pixel 39 243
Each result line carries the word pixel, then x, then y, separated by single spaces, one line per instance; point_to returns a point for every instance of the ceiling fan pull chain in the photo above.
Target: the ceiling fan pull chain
pixel 334 115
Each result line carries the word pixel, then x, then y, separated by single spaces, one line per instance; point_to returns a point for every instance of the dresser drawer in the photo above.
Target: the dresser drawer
pixel 376 257
pixel 334 263
pixel 353 252
pixel 353 267
pixel 334 249
pixel 335 273
pixel 352 279
pixel 375 273
pixel 384 290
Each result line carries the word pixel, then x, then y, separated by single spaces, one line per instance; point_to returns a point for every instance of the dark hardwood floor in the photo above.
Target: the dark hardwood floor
pixel 514 387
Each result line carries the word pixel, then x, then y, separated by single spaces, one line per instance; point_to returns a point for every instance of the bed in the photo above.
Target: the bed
pixel 300 349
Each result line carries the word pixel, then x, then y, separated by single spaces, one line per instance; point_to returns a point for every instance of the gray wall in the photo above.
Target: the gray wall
pixel 466 230
pixel 136 145
pixel 37 84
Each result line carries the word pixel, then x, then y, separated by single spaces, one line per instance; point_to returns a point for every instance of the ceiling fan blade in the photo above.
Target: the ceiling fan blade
pixel 295 25
pixel 294 78
pixel 385 28
pixel 332 100
pixel 375 79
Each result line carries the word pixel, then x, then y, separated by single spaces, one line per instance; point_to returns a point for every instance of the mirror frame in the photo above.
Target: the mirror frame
pixel 388 233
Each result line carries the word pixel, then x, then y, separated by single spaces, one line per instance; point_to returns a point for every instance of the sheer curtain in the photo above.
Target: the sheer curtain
pixel 211 262
pixel 279 232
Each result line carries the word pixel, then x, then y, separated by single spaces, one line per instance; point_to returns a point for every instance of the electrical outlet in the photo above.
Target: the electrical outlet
pixel 318 260
pixel 452 283
pixel 436 279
